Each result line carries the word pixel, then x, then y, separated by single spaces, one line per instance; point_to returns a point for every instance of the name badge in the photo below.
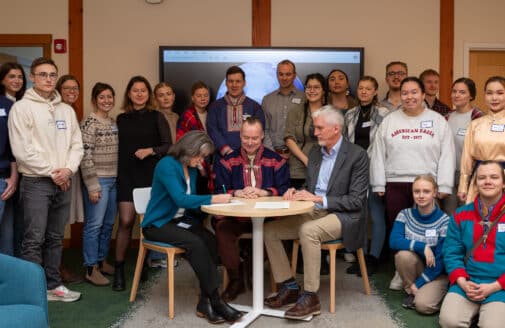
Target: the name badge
pixel 184 225
pixel 366 124
pixel 501 227
pixel 296 101
pixel 245 116
pixel 426 124
pixel 461 132
pixel 114 128
pixel 498 127
pixel 430 233
pixel 61 125
pixel 3 112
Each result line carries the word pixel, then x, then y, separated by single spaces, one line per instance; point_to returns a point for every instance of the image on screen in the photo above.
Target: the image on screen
pixel 183 66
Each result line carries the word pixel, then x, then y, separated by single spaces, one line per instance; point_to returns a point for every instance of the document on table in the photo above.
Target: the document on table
pixel 272 205
pixel 233 202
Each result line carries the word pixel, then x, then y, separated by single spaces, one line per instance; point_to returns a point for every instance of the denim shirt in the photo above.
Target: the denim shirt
pixel 325 172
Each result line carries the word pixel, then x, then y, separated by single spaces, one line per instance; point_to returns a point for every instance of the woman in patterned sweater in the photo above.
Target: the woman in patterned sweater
pixel 418 235
pixel 99 171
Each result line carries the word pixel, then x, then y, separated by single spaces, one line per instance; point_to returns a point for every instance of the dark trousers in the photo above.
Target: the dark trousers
pixel 46 209
pixel 200 246
pixel 398 197
pixel 227 232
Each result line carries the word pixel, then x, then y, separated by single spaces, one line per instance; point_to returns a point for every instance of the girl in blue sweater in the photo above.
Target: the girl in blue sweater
pixel 418 234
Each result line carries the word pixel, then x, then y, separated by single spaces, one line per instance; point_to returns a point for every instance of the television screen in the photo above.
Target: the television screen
pixel 183 66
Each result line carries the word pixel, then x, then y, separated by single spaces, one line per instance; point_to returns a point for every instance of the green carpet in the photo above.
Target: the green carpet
pixel 409 318
pixel 99 306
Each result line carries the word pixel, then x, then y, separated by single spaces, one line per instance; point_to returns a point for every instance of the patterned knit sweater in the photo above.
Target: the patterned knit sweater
pixel 100 140
pixel 413 231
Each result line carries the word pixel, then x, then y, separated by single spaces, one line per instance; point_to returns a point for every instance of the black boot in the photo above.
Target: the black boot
pixel 372 263
pixel 119 281
pixel 204 310
pixel 235 287
pixel 221 308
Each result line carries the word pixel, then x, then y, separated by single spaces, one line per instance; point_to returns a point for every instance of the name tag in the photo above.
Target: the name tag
pixel 426 124
pixel 114 128
pixel 430 233
pixel 497 127
pixel 245 116
pixel 61 125
pixel 501 227
pixel 461 132
pixel 296 100
pixel 184 225
pixel 3 112
pixel 366 124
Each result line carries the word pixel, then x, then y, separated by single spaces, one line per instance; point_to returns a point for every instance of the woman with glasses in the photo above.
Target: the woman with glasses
pixel 69 88
pixel 361 124
pixel 299 131
pixel 338 91
pixel 410 141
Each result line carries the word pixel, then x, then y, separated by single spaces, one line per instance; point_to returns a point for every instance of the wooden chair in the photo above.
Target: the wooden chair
pixel 332 246
pixel 140 199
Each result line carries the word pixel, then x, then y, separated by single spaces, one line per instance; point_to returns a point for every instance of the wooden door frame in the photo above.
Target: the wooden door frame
pixel 478 47
pixel 28 40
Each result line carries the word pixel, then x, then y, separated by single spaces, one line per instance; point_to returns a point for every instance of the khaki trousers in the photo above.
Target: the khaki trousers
pixel 430 295
pixel 312 229
pixel 458 311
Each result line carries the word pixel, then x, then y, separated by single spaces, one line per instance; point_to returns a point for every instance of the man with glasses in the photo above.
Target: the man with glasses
pixel 46 142
pixel 225 115
pixel 277 104
pixel 396 71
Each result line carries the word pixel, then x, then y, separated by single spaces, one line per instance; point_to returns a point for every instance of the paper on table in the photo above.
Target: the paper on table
pixel 233 202
pixel 272 205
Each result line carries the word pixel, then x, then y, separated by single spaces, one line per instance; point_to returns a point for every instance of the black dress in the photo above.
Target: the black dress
pixel 139 129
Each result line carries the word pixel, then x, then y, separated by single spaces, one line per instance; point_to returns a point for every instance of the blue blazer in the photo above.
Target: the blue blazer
pixel 168 193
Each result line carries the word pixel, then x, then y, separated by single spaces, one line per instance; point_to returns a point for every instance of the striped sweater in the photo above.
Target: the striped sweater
pixel 412 231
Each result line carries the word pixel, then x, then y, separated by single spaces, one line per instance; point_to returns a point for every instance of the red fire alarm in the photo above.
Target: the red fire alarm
pixel 60 46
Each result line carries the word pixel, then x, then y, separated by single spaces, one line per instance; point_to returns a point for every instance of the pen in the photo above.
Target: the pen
pixel 224 189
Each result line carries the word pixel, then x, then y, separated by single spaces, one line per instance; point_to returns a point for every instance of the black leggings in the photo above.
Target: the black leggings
pixel 200 246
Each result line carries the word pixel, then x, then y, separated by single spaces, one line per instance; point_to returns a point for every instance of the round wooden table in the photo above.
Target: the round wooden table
pixel 258 215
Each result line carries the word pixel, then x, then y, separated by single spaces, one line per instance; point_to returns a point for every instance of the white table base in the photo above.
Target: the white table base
pixel 257 309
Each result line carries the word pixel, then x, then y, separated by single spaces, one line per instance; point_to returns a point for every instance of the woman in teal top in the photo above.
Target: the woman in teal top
pixel 173 217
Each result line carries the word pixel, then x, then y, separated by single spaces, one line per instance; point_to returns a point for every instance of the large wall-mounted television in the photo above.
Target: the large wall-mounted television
pixel 182 66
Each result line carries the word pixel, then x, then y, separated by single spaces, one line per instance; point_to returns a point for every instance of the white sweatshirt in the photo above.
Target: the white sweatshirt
pixel 406 146
pixel 44 135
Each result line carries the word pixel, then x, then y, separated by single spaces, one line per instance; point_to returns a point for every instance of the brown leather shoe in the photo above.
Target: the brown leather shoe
pixel 307 305
pixel 96 277
pixel 106 268
pixel 68 276
pixel 285 296
pixel 234 288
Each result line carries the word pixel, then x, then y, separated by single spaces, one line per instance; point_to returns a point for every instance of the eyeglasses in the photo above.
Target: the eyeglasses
pixel 75 89
pixel 44 75
pixel 399 73
pixel 313 87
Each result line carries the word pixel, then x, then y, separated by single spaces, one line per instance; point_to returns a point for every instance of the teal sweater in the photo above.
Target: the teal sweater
pixel 168 193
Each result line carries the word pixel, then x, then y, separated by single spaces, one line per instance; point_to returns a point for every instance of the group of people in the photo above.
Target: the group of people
pixel 407 163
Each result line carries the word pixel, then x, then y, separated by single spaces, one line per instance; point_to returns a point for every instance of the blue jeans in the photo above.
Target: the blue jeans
pixel 98 222
pixel 6 223
pixel 378 215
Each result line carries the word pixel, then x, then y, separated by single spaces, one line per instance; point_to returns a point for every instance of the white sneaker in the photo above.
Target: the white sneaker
pixel 349 257
pixel 397 282
pixel 63 294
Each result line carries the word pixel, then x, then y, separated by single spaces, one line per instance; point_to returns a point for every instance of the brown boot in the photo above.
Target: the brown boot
pixel 307 305
pixel 235 287
pixel 106 268
pixel 68 276
pixel 94 276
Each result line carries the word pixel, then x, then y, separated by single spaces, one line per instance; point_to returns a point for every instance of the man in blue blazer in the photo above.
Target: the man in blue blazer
pixel 337 182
